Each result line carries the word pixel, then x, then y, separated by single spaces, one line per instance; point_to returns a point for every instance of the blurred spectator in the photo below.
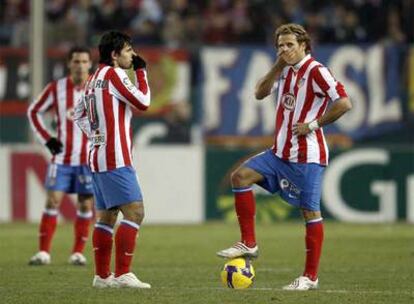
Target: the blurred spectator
pixel 189 23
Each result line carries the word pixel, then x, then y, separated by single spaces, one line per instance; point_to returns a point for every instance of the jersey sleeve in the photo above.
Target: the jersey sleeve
pixel 138 96
pixel 36 111
pixel 80 117
pixel 324 83
pixel 274 87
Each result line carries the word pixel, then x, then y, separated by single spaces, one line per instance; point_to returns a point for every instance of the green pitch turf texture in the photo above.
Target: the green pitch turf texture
pixel 360 264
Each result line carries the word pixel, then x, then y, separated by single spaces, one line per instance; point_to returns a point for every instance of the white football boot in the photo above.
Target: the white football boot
pixel 129 280
pixel 108 282
pixel 302 283
pixel 77 258
pixel 239 250
pixel 40 258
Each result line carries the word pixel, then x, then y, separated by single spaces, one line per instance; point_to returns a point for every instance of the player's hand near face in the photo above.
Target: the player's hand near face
pixel 280 62
pixel 138 62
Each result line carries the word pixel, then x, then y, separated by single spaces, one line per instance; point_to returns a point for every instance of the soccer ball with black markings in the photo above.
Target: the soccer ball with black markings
pixel 238 273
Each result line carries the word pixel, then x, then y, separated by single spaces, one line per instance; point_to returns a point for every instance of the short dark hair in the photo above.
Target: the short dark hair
pixel 295 29
pixel 78 49
pixel 112 41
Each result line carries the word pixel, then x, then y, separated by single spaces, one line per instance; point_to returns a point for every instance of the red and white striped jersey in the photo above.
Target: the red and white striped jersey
pixel 60 96
pixel 105 115
pixel 303 93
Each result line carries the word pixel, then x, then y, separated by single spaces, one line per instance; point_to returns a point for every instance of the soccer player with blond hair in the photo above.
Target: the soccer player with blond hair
pixel 308 98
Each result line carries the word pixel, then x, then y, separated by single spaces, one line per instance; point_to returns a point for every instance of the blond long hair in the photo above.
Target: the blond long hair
pixel 295 29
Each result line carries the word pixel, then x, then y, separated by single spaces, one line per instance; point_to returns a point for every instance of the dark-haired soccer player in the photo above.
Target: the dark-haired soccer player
pixel 293 167
pixel 105 115
pixel 68 171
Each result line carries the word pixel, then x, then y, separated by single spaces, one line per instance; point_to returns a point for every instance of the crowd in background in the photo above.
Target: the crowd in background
pixel 190 23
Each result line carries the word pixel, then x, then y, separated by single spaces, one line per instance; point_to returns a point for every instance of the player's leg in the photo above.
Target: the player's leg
pixel 126 236
pixel 313 239
pixel 310 207
pixel 81 184
pixel 47 228
pixel 81 225
pixel 242 180
pixel 102 240
pixel 119 189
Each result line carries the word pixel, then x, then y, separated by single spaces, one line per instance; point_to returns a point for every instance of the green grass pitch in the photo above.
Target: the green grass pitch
pixel 360 264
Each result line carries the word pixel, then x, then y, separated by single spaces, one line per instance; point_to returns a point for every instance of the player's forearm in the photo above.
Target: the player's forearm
pixel 265 84
pixel 339 108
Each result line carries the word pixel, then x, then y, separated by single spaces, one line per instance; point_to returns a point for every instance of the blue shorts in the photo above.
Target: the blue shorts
pixel 69 179
pixel 298 184
pixel 116 187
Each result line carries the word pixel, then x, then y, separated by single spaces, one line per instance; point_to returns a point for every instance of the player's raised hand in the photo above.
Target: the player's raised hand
pixel 280 62
pixel 54 145
pixel 138 62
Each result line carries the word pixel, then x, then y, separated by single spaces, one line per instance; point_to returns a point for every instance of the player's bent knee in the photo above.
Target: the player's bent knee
pixel 240 178
pixel 309 215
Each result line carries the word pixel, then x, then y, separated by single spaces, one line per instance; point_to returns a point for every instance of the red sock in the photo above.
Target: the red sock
pixel 47 229
pixel 125 246
pixel 102 247
pixel 81 229
pixel 246 211
pixel 314 240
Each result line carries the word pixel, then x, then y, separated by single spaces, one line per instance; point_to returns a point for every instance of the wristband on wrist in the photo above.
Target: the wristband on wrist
pixel 313 125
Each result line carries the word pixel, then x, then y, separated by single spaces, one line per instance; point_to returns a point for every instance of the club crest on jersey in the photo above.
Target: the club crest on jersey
pixel 288 101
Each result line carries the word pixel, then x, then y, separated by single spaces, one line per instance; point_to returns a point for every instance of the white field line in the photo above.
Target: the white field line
pixel 339 291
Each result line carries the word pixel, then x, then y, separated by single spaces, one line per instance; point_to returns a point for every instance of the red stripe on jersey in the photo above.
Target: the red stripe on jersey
pixel 122 134
pixel 288 143
pixel 69 123
pixel 33 111
pixel 124 91
pixel 320 81
pixel 341 90
pixel 319 137
pixel 56 107
pixel 322 152
pixel 142 83
pixel 84 149
pixel 280 109
pixel 309 99
pixel 108 108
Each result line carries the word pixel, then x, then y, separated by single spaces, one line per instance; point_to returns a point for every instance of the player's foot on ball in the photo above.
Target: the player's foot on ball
pixel 302 283
pixel 129 280
pixel 77 258
pixel 239 250
pixel 40 258
pixel 108 282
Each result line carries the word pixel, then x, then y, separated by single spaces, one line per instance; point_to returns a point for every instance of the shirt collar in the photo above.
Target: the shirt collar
pixel 297 66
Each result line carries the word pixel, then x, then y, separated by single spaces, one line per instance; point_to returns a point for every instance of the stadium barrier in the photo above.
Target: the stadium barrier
pixel 171 178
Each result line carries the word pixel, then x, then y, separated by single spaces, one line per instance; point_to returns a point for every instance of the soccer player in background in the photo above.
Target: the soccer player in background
pixel 68 171
pixel 105 115
pixel 293 167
